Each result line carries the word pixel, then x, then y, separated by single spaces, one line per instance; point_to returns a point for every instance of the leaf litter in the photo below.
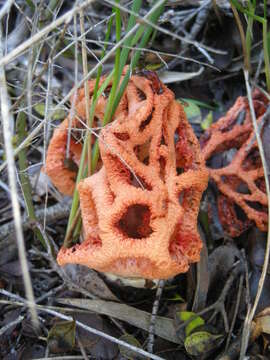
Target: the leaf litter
pixel 216 293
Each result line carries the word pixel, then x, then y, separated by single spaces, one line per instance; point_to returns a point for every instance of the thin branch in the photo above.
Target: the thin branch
pixel 7 118
pixel 151 337
pixel 66 18
pixel 7 190
pixel 236 311
pixel 5 8
pixel 53 213
pixel 10 324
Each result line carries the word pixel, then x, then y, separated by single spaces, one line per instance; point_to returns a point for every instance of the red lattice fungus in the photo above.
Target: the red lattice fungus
pixel 140 209
pixel 239 175
pixel 62 170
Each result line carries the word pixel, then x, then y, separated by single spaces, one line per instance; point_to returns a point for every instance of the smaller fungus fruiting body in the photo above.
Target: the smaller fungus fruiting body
pixel 62 170
pixel 240 180
pixel 140 209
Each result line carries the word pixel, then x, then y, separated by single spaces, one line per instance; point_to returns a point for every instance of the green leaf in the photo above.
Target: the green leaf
pixel 192 111
pixel 193 324
pixel 62 335
pixel 200 103
pixel 153 67
pixel 30 4
pixel 202 342
pixel 177 297
pixel 268 43
pixel 204 220
pixel 57 115
pixel 207 121
pixel 247 12
pixel 129 354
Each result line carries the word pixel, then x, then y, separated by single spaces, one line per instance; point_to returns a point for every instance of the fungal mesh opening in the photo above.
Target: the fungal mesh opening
pixel 135 223
pixel 70 164
pixel 259 107
pixel 179 170
pixel 162 141
pixel 186 199
pixel 122 136
pixel 237 120
pixel 146 121
pixel 141 94
pixel 142 152
pixel 181 197
pixel 260 183
pixel 138 181
pixel 162 168
pixel 176 138
pixel 252 160
pixel 222 159
pixel 107 91
pixel 119 167
pixel 256 206
pixel 239 185
pixel 204 139
pixel 240 214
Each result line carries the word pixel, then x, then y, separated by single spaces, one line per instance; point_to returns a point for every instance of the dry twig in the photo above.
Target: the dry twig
pixel 7 119
pixel 151 337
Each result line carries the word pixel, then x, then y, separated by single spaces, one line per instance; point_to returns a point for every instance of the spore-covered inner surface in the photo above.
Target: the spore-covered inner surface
pixel 135 223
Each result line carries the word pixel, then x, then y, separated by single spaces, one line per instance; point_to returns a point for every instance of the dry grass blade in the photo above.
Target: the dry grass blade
pixel 7 120
pixel 5 8
pixel 164 327
pixel 251 313
pixel 52 213
pixel 68 357
pixel 10 324
pixel 153 319
pixel 66 18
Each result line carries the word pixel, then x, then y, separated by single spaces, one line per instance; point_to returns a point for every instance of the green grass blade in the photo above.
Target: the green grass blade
pixel 117 73
pixel 145 38
pixel 21 123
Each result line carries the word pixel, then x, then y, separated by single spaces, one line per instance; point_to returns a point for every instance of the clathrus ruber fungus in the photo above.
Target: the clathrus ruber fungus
pixel 62 169
pixel 229 146
pixel 139 211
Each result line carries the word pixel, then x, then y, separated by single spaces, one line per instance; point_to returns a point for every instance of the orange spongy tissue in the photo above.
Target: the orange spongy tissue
pixel 238 175
pixel 140 209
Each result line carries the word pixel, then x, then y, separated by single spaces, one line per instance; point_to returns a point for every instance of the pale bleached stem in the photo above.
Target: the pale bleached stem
pixel 7 118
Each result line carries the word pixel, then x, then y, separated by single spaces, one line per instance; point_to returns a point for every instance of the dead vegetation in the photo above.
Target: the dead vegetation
pixel 219 309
